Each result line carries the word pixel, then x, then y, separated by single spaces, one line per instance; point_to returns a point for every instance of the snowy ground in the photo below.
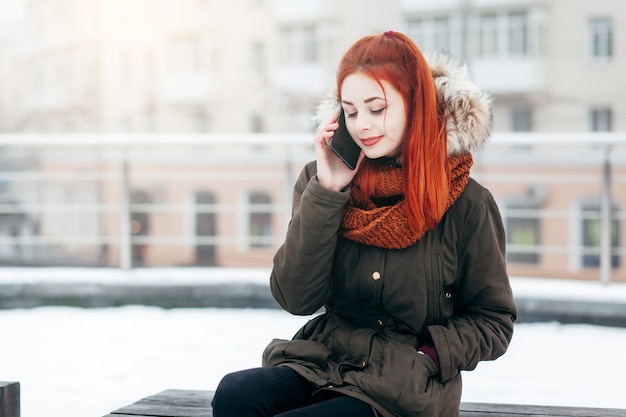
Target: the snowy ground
pixel 80 363
pixel 87 362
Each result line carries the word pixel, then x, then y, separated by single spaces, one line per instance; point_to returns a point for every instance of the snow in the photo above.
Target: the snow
pixel 140 276
pixel 74 362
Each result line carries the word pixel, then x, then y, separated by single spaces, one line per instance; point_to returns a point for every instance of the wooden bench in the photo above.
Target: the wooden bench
pixel 9 399
pixel 186 403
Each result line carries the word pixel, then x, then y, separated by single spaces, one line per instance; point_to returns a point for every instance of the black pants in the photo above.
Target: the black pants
pixel 279 392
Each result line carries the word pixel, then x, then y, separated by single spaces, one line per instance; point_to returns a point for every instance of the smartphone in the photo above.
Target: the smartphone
pixel 342 144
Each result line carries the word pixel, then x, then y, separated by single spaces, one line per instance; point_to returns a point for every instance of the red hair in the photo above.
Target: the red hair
pixel 393 57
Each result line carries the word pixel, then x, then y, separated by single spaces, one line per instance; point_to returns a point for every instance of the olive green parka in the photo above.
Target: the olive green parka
pixel 450 289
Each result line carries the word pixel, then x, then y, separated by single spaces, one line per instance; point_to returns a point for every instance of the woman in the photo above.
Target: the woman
pixel 405 253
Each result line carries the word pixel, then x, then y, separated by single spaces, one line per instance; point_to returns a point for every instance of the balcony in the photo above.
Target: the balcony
pixel 508 75
pixel 186 87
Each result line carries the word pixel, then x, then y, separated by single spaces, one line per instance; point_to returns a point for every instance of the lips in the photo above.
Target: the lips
pixel 371 141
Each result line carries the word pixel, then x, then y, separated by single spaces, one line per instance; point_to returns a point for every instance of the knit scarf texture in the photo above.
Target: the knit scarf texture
pixel 387 226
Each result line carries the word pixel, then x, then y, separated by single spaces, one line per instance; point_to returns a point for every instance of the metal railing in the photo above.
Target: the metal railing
pixel 128 200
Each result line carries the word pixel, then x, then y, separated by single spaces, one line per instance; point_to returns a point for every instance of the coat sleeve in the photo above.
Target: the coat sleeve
pixel 301 276
pixel 484 309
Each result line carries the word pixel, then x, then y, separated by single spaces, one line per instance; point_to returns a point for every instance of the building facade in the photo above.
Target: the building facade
pixel 181 66
pixel 253 70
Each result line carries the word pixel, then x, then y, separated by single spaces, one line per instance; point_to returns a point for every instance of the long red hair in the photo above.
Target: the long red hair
pixel 393 57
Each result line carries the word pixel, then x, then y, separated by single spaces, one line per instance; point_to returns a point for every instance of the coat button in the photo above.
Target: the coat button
pixel 379 322
pixel 363 364
pixel 448 295
pixel 376 275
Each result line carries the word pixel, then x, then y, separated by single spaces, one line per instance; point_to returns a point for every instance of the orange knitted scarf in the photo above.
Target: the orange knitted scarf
pixel 387 226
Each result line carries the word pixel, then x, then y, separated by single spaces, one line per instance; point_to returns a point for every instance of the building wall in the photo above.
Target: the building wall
pixel 577 81
pixel 248 66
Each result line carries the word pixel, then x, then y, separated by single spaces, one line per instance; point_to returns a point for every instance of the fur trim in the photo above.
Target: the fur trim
pixel 328 108
pixel 467 110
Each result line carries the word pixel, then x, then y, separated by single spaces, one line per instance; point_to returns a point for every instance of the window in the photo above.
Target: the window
pixel 416 31
pixel 257 59
pixel 200 120
pixel 522 239
pixel 521 215
pixel 601 38
pixel 521 119
pixel 507 33
pixel 149 67
pixel 260 219
pixel 592 234
pixel 299 45
pixel 184 54
pixel 139 225
pixel 431 34
pixel 256 123
pixel 601 119
pixel 518 34
pixel 125 70
pixel 488 36
pixel 205 227
pixel 441 35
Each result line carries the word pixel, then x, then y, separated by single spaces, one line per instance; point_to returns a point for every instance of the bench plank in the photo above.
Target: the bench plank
pixel 190 403
pixel 9 399
pixel 170 403
pixel 517 410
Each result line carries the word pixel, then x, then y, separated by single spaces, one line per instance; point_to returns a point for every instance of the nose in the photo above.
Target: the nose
pixel 363 122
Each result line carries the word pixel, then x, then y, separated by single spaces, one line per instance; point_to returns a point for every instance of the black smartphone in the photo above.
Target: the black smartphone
pixel 342 144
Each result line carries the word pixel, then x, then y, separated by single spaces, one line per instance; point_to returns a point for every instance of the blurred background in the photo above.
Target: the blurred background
pixel 160 133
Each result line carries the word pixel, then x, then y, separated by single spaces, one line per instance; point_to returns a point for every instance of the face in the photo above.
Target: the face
pixel 375 116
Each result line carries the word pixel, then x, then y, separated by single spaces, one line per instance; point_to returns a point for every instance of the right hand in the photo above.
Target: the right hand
pixel 332 173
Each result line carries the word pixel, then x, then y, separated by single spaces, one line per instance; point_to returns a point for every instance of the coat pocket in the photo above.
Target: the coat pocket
pixel 309 358
pixel 280 351
pixel 401 379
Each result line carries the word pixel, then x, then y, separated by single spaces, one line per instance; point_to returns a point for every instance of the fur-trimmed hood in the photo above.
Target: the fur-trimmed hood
pixel 467 109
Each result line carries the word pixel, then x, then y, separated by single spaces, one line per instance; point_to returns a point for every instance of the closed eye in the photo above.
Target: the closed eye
pixel 377 111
